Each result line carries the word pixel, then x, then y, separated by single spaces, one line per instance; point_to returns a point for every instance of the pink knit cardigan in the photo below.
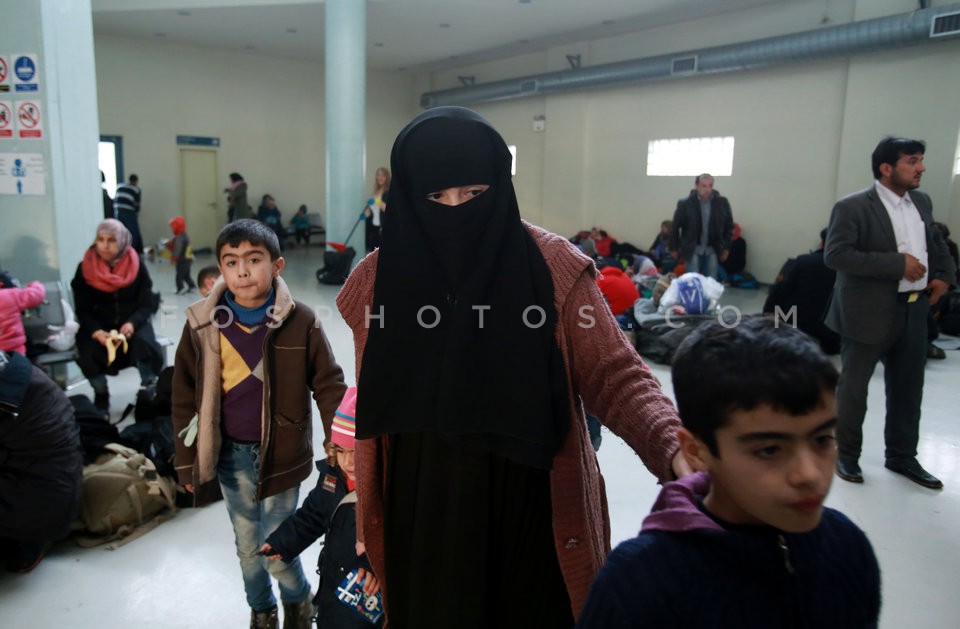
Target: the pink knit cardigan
pixel 603 371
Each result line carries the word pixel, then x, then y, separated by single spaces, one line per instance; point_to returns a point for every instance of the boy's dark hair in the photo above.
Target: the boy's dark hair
pixel 890 149
pixel 211 270
pixel 236 177
pixel 249 230
pixel 719 369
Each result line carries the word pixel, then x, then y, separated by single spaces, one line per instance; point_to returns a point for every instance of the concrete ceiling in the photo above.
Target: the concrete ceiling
pixel 402 35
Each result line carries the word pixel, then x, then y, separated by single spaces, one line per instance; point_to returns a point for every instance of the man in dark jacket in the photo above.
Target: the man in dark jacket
pixel 702 228
pixel 41 463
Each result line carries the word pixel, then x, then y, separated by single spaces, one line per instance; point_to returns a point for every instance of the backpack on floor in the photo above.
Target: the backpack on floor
pixel 123 497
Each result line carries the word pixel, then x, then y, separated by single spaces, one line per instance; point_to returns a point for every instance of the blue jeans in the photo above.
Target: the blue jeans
pixel 253 521
pixel 703 263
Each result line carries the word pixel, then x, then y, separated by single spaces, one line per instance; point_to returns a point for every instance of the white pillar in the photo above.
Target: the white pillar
pixel 43 236
pixel 345 72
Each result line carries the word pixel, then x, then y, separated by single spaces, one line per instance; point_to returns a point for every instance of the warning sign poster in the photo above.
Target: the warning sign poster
pixel 4 74
pixel 29 120
pixel 6 120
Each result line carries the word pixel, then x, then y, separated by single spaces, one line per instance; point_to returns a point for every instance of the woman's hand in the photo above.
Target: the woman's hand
pixel 101 336
pixel 126 329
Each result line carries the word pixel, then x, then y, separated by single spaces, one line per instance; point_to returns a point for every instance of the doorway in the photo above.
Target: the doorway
pixel 198 183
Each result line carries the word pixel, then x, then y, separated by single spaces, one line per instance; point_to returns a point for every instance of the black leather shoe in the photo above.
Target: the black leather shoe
pixel 915 472
pixel 935 352
pixel 849 471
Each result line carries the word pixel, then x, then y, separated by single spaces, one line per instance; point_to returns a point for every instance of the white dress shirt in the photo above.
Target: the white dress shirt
pixel 909 230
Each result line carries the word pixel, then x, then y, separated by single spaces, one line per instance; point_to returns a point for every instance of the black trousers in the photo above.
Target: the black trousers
pixel 903 354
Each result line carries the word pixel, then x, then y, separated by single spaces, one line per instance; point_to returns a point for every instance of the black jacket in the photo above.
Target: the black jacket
pixel 685 233
pixel 319 516
pixel 41 462
pixel 806 283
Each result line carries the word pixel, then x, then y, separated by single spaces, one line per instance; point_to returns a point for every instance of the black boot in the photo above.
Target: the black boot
pixel 101 399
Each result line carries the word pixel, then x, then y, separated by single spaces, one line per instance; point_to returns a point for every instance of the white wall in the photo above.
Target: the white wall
pixel 267 112
pixel 804 132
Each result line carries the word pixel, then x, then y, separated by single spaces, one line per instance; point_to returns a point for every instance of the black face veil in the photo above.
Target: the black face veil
pixel 462 333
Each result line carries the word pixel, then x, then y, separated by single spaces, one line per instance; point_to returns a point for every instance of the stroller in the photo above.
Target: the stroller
pixel 337 263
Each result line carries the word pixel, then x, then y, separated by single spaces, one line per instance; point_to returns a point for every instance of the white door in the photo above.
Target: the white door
pixel 198 181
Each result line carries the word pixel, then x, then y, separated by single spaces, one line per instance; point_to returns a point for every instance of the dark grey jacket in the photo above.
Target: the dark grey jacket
pixel 685 233
pixel 862 248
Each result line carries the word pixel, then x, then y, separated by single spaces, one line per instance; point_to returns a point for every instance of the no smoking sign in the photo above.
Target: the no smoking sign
pixel 29 122
pixel 6 120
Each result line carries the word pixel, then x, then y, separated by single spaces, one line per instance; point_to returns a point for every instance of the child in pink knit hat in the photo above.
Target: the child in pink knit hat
pixel 330 510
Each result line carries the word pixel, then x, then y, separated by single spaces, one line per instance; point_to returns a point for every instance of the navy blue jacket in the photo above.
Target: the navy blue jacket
pixel 318 516
pixel 737 576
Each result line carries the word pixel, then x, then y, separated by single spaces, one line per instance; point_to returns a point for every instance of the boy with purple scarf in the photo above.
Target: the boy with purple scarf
pixel 746 541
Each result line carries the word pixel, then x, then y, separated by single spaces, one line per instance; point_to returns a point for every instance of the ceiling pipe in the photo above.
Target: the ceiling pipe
pixel 883 33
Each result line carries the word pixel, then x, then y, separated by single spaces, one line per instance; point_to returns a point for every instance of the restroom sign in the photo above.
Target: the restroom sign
pixel 29 121
pixel 6 120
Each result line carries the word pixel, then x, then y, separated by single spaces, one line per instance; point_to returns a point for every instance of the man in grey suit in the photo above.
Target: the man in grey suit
pixel 891 264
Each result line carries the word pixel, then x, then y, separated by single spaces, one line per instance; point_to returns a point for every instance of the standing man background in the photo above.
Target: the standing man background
pixel 891 265
pixel 702 228
pixel 127 204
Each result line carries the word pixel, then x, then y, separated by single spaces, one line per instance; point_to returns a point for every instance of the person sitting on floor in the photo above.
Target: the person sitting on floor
pixel 801 292
pixel 41 463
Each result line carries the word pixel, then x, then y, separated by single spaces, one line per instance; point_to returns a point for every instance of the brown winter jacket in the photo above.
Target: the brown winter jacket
pixel 603 372
pixel 297 360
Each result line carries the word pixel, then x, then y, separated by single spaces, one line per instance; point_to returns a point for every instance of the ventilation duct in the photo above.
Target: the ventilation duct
pixel 878 34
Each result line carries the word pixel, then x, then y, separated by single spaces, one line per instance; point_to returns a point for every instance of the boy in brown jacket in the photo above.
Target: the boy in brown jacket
pixel 241 407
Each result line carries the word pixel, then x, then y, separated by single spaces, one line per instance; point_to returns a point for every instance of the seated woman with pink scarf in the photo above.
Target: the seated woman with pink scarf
pixel 114 302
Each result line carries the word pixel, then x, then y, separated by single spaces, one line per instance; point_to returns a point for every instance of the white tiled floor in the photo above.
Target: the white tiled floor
pixel 185 573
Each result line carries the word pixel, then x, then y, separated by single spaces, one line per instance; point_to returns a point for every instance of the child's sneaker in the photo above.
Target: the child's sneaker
pixel 266 619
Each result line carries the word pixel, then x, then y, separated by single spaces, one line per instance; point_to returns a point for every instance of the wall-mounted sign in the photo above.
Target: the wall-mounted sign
pixel 6 120
pixel 197 140
pixel 29 121
pixel 26 73
pixel 22 174
pixel 4 74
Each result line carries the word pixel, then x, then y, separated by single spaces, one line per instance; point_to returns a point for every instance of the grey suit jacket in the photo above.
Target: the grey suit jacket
pixel 862 248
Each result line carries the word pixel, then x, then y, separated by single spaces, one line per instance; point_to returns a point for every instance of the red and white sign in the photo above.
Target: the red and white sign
pixel 4 74
pixel 6 119
pixel 29 122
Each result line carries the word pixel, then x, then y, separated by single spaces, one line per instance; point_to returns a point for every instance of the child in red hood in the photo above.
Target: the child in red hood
pixel 182 255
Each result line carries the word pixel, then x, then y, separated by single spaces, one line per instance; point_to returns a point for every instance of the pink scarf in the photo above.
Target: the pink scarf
pixel 107 278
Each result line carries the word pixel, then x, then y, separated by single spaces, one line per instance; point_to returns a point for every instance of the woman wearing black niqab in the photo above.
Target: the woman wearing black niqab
pixel 465 402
